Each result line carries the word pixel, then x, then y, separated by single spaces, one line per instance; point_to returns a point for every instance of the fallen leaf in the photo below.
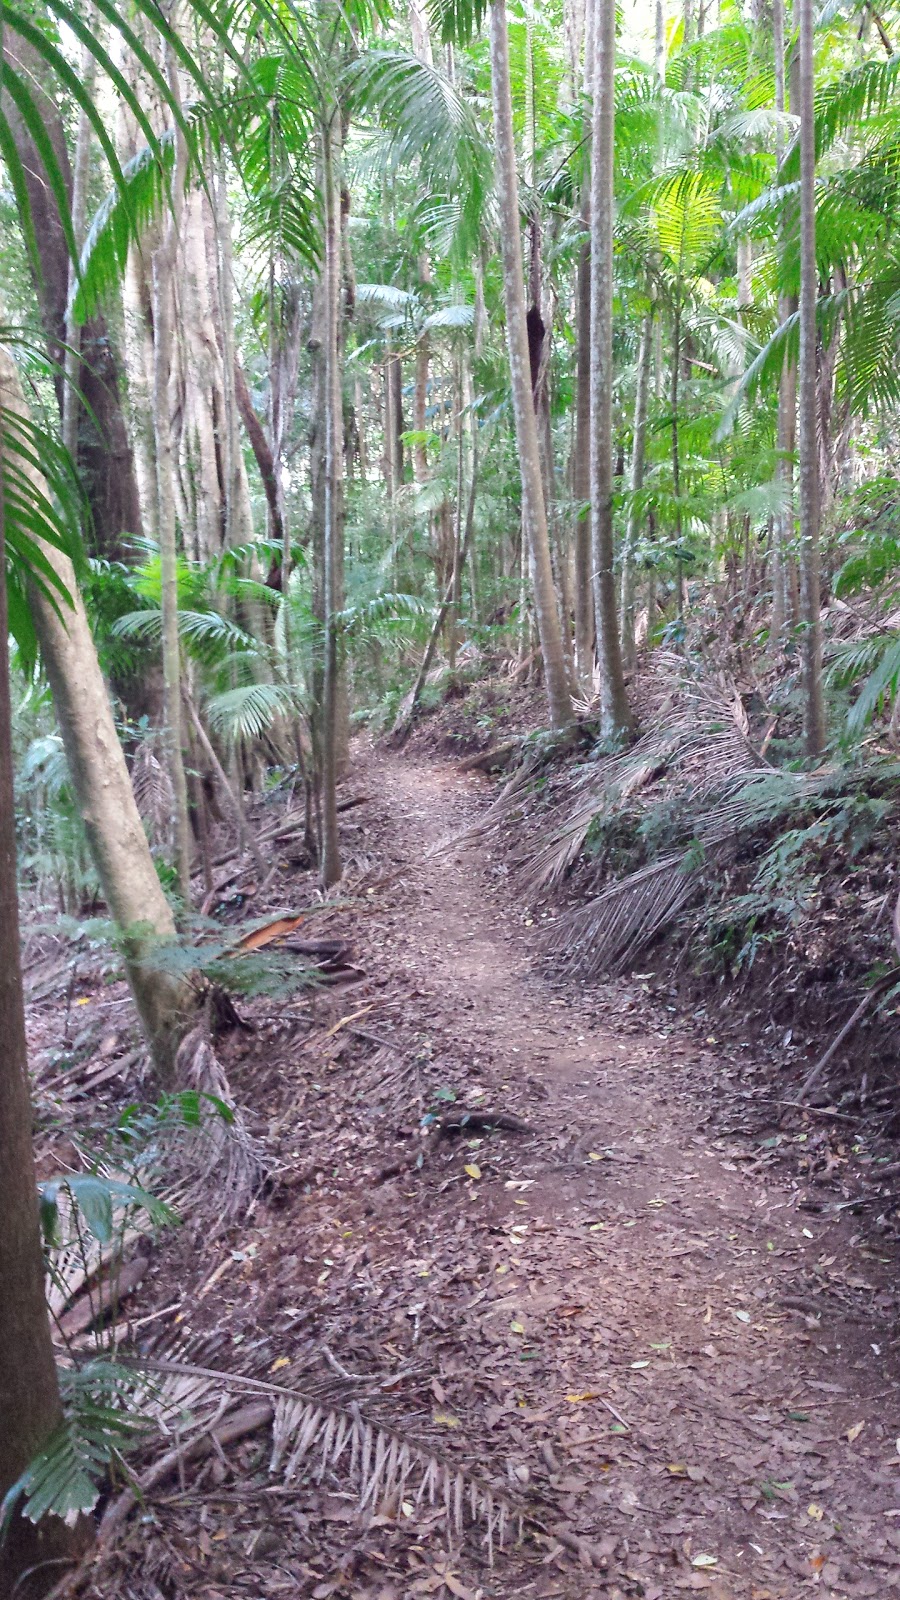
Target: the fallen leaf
pixel 589 1394
pixel 453 1584
pixel 815 1512
pixel 257 938
pixel 637 1365
pixel 446 1420
pixel 704 1561
pixel 283 1361
pixel 677 1469
pixel 854 1432
pixel 516 1327
pixel 473 1170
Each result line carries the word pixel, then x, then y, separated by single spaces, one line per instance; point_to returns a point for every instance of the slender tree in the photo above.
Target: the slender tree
pixel 100 777
pixel 813 698
pixel 29 1391
pixel 534 511
pixel 615 716
pixel 164 344
pixel 334 525
pixel 638 461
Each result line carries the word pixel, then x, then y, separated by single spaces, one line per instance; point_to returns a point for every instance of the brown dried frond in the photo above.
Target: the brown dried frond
pixel 386 1469
pixel 153 791
pixel 611 930
pixel 218 1162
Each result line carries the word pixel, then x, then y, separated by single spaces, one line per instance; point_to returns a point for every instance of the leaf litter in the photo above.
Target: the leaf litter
pixel 622 1362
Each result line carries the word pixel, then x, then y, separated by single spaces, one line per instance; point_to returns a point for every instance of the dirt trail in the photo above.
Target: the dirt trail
pixel 636 1319
pixel 653 1332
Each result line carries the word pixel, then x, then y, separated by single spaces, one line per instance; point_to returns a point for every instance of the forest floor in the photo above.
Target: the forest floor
pixel 632 1317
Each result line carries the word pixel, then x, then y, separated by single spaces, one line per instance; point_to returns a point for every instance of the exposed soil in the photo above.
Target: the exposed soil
pixel 625 1318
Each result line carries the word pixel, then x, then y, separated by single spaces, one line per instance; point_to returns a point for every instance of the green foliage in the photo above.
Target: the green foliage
pixel 99 1426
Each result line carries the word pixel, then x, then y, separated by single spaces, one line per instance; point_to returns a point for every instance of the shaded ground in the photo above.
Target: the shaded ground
pixel 627 1317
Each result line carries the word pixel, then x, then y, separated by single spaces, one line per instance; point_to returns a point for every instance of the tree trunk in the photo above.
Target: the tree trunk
pixel 784 571
pixel 614 713
pixel 29 1392
pixel 259 444
pixel 71 404
pixel 334 457
pixel 103 448
pixel 813 698
pixel 164 339
pixel 581 471
pixel 638 458
pixel 102 788
pixel 534 511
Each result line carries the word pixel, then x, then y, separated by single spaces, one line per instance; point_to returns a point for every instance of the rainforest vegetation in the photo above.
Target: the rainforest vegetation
pixel 359 358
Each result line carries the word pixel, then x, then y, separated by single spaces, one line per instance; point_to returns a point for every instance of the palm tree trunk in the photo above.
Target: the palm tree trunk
pixel 164 342
pixel 638 458
pixel 71 405
pixel 813 698
pixel 29 1392
pixel 614 713
pixel 534 512
pixel 783 570
pixel 102 787
pixel 581 471
pixel 334 458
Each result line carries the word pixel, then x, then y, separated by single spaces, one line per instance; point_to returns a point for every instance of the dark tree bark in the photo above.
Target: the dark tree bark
pixel 259 444
pixel 104 450
pixel 29 1392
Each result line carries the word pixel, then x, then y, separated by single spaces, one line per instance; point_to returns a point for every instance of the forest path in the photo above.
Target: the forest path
pixel 647 1324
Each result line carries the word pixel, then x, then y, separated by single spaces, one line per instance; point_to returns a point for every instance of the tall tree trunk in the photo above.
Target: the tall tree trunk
pixel 259 444
pixel 534 511
pixel 581 466
pixel 813 698
pixel 71 404
pixel 29 1392
pixel 784 571
pixel 104 451
pixel 581 469
pixel 638 458
pixel 164 341
pixel 334 457
pixel 614 714
pixel 102 787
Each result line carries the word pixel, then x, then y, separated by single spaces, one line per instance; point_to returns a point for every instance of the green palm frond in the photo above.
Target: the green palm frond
pixel 136 201
pixel 881 683
pixel 249 711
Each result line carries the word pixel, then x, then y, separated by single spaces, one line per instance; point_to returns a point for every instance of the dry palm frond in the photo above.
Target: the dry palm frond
pixel 153 792
pixel 612 929
pixel 388 1471
pixel 218 1161
pixel 698 741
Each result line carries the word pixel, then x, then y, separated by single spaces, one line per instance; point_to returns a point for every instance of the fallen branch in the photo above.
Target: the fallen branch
pixel 493 760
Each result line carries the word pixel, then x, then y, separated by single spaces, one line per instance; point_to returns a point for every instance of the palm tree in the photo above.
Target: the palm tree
pixel 614 712
pixel 534 511
pixel 813 699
